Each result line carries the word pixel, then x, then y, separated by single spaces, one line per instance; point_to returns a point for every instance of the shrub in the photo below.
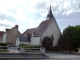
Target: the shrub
pixel 70 39
pixel 57 48
pixel 29 46
pixel 47 42
pixel 22 45
pixel 4 50
pixel 3 44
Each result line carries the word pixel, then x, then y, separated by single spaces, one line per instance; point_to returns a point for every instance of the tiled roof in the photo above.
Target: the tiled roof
pixel 42 27
pixel 1 33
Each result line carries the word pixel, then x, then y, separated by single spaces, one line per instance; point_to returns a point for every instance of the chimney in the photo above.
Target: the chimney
pixel 7 29
pixel 16 26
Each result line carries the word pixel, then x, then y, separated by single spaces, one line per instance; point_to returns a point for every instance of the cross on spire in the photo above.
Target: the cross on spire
pixel 50 15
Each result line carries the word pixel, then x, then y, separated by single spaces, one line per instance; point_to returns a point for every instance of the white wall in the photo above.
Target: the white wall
pixel 35 41
pixel 4 38
pixel 25 42
pixel 17 42
pixel 52 30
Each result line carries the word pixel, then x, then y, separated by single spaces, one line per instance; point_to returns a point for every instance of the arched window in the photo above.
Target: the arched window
pixel 52 37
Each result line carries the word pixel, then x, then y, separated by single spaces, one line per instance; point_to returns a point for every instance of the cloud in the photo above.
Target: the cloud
pixel 12 10
pixel 5 16
pixel 30 13
pixel 6 24
pixel 73 16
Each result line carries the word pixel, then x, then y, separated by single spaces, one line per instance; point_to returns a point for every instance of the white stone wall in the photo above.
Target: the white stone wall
pixel 4 38
pixel 35 41
pixel 17 42
pixel 52 30
pixel 24 42
pixel 12 36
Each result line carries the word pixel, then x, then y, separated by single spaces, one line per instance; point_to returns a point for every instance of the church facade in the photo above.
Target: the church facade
pixel 48 27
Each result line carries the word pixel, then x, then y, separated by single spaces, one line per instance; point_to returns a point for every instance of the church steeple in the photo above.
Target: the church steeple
pixel 50 15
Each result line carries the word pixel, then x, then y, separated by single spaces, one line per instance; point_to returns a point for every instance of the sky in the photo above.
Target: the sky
pixel 30 13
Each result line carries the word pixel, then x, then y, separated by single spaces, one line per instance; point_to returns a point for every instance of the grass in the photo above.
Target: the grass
pixel 4 50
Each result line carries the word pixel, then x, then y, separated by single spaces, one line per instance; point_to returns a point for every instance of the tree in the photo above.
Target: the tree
pixel 47 42
pixel 71 37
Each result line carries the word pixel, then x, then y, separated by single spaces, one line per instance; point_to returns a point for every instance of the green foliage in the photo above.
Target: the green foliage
pixel 29 46
pixel 71 37
pixel 57 48
pixel 47 42
pixel 61 42
pixel 4 50
pixel 3 44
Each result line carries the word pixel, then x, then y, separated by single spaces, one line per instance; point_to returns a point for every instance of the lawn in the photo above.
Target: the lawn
pixel 4 50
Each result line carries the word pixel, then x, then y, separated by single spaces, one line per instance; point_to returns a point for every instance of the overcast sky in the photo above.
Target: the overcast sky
pixel 30 13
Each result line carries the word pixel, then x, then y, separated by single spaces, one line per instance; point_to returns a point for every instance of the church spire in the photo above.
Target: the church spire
pixel 50 15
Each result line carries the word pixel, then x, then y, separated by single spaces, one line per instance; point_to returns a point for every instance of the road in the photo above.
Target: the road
pixel 52 56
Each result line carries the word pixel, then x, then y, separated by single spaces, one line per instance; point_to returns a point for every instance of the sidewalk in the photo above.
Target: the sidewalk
pixel 17 54
pixel 59 55
pixel 14 51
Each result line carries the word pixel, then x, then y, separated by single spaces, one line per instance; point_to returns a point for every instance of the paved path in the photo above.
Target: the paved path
pixel 14 51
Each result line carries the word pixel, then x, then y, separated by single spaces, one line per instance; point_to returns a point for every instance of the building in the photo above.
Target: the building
pixel 34 36
pixel 48 27
pixel 22 40
pixel 11 35
pixel 1 35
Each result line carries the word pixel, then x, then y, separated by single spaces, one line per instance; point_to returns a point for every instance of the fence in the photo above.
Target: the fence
pixel 32 50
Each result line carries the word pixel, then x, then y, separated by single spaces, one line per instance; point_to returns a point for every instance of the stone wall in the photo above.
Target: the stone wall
pixel 12 35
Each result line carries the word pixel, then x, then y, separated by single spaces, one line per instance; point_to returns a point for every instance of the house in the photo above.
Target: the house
pixel 48 27
pixel 1 35
pixel 11 35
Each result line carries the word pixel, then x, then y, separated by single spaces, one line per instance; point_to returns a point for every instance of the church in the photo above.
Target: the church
pixel 34 36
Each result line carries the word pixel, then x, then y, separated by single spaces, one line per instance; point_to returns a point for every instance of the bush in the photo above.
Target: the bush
pixel 70 39
pixel 3 44
pixel 4 50
pixel 57 48
pixel 47 43
pixel 29 46
pixel 22 45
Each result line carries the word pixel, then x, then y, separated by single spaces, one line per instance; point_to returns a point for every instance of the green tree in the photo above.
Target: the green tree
pixel 47 42
pixel 71 38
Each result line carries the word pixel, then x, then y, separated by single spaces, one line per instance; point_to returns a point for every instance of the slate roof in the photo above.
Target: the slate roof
pixel 42 27
pixel 44 24
pixel 29 31
pixel 23 38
